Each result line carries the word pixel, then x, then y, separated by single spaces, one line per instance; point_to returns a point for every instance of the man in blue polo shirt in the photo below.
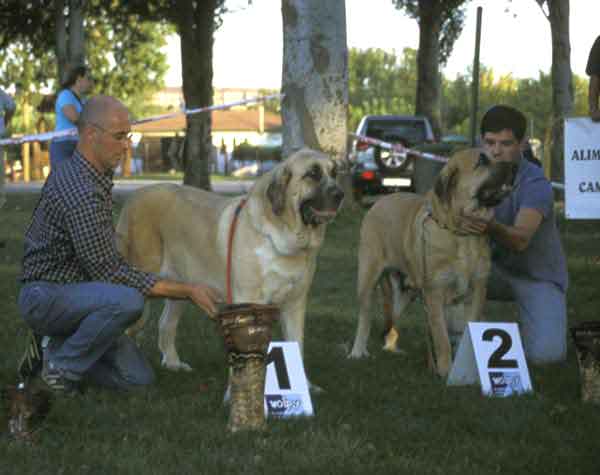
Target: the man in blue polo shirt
pixel 528 262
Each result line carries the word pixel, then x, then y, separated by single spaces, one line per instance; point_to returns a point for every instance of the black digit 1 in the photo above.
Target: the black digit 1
pixel 276 356
pixel 496 359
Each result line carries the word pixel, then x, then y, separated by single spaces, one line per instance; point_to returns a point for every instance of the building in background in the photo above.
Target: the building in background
pixel 250 124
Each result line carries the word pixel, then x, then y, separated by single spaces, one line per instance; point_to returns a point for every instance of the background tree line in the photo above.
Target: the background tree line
pixel 382 82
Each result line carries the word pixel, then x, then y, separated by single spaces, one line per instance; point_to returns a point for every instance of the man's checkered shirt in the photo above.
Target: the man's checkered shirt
pixel 71 237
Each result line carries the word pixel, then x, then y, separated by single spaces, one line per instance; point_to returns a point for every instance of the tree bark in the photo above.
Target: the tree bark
pixel 69 36
pixel 76 33
pixel 196 27
pixel 61 40
pixel 562 81
pixel 315 80
pixel 428 57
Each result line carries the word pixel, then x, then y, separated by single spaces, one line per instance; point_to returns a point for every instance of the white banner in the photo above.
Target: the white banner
pixel 582 168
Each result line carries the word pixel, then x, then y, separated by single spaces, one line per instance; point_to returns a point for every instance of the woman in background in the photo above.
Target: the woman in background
pixel 68 106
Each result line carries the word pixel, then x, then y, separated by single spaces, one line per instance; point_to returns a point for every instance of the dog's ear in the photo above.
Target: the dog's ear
pixel 277 189
pixel 445 183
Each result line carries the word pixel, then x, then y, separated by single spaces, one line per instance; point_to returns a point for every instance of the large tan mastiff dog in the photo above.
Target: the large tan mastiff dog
pixel 412 244
pixel 182 233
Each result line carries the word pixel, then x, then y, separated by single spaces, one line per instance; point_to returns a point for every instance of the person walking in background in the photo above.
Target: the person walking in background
pixel 7 110
pixel 68 106
pixel 593 71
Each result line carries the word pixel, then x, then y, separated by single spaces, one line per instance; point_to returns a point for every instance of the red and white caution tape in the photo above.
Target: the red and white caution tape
pixel 64 133
pixel 399 148
pixel 402 150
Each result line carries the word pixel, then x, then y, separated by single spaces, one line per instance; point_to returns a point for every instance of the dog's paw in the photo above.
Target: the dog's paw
pixel 357 354
pixel 314 389
pixel 176 365
pixel 393 349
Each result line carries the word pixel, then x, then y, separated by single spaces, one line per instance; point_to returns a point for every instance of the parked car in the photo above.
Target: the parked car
pixel 376 170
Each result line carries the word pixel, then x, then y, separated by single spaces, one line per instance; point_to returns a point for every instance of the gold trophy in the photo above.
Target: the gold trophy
pixel 246 329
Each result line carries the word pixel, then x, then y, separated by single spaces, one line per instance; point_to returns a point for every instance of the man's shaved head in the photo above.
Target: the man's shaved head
pixel 104 129
pixel 99 110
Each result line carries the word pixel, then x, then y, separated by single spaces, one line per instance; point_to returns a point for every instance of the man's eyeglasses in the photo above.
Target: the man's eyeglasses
pixel 118 136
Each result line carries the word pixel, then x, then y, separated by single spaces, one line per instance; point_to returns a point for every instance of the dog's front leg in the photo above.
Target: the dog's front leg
pixel 474 310
pixel 440 351
pixel 167 332
pixel 292 326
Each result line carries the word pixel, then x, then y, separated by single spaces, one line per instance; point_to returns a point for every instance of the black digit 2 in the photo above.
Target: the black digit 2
pixel 496 359
pixel 276 356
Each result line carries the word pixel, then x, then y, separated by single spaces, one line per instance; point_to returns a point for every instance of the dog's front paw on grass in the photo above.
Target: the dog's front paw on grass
pixel 176 365
pixel 357 354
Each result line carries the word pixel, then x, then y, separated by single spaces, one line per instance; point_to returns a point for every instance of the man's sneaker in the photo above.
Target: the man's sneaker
pixel 30 363
pixel 58 383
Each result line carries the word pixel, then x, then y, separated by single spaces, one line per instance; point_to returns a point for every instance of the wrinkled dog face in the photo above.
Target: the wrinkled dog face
pixel 306 182
pixel 472 180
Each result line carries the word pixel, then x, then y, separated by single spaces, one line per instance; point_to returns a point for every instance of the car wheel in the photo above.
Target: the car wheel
pixel 387 161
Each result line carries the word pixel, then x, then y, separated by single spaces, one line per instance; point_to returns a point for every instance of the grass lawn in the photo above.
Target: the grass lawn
pixel 387 414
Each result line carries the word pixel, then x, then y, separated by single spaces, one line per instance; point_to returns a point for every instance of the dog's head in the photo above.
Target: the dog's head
pixel 471 183
pixel 304 189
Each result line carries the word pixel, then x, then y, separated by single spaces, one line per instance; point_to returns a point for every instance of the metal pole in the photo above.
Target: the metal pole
pixel 475 83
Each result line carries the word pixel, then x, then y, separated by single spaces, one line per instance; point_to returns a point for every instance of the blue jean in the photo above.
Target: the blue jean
pixel 542 313
pixel 61 151
pixel 86 323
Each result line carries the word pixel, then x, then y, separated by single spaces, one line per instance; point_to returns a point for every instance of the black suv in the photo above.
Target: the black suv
pixel 376 170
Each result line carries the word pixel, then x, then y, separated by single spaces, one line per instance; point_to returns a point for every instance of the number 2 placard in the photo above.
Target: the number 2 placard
pixel 493 354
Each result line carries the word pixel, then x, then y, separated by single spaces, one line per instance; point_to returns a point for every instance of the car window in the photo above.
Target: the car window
pixel 410 131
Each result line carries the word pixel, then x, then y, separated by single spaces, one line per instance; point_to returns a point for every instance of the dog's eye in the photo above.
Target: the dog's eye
pixel 483 160
pixel 315 173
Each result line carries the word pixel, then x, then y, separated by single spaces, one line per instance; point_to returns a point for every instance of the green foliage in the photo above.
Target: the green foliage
pixel 452 14
pixel 380 83
pixel 123 53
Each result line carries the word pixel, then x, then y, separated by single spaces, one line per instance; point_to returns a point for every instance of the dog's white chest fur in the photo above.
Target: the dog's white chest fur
pixel 281 281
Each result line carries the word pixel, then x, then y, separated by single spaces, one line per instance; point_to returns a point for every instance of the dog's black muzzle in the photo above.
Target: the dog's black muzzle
pixel 498 185
pixel 323 206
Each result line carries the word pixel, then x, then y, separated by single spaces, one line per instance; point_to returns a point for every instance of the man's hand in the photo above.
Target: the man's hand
pixel 474 225
pixel 206 298
pixel 201 295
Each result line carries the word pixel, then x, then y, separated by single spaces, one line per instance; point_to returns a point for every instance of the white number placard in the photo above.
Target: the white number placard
pixel 286 386
pixel 491 354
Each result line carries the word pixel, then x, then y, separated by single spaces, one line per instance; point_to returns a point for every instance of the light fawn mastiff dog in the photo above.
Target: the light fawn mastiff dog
pixel 182 233
pixel 413 244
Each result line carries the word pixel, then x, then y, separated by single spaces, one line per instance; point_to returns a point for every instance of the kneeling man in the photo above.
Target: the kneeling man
pixel 528 263
pixel 77 289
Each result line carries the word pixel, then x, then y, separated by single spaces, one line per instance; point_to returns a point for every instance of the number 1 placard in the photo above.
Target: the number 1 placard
pixel 286 387
pixel 493 354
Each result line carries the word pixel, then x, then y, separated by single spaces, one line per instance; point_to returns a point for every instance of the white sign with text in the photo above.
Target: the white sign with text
pixel 286 386
pixel 582 168
pixel 491 354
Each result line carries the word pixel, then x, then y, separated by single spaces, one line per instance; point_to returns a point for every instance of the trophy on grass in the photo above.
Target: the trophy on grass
pixel 246 329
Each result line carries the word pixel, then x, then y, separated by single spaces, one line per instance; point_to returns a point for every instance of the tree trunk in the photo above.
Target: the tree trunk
pixel 428 58
pixel 69 36
pixel 76 34
pixel 562 81
pixel 315 80
pixel 196 27
pixel 61 40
